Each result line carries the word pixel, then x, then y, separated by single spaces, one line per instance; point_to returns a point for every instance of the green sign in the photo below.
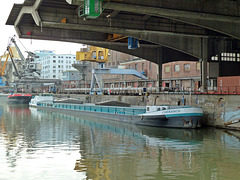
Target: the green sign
pixel 91 9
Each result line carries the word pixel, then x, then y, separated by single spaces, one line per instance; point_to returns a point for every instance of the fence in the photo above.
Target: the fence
pixel 153 90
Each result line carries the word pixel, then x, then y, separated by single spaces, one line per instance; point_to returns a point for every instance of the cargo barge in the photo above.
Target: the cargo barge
pixel 157 116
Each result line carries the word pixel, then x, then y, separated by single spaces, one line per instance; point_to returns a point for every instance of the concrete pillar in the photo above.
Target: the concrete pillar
pixel 220 63
pixel 159 60
pixel 204 53
pixel 191 84
pixel 180 85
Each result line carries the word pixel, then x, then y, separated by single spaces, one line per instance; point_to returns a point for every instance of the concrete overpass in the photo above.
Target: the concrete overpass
pixel 169 30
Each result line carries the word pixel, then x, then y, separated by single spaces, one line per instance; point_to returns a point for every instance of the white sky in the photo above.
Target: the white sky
pixel 7 31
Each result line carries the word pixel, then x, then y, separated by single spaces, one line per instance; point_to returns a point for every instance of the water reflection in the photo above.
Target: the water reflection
pixel 106 145
pixel 49 145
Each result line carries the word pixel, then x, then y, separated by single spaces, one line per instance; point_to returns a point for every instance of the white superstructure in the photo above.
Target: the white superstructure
pixel 41 98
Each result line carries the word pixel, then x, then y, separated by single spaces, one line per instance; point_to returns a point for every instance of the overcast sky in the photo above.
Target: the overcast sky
pixel 31 45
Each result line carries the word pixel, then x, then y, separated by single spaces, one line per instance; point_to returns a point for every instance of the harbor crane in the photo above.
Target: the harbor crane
pixel 100 55
pixel 2 68
pixel 28 72
pixel 30 69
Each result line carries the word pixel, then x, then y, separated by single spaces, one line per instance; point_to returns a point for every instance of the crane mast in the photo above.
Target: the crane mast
pixel 100 55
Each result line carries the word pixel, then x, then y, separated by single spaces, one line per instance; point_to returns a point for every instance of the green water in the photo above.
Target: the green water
pixel 35 144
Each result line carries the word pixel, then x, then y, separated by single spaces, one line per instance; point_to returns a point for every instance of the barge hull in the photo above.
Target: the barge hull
pixel 160 121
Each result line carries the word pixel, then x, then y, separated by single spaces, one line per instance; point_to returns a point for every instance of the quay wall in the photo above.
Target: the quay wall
pixel 221 111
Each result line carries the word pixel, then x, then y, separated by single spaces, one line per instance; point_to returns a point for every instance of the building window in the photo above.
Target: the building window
pixel 228 56
pixel 136 67
pixel 177 68
pixel 54 61
pixel 186 67
pixel 54 76
pixel 238 57
pixel 214 58
pixel 198 66
pixel 150 66
pixel 167 68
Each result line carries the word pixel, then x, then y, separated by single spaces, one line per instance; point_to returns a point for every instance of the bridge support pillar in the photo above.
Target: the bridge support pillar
pixel 160 62
pixel 204 54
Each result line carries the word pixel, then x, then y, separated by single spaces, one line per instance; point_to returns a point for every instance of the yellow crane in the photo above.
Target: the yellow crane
pixel 2 67
pixel 100 55
pixel 95 54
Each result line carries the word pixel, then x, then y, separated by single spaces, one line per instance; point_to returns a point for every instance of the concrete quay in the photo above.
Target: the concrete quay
pixel 220 111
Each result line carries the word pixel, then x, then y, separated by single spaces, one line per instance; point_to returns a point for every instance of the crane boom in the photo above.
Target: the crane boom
pixel 18 49
pixel 13 62
pixel 2 68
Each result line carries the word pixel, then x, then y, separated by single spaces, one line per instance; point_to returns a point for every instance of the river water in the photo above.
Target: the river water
pixel 36 144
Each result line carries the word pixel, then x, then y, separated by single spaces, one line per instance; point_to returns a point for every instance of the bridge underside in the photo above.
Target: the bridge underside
pixel 168 30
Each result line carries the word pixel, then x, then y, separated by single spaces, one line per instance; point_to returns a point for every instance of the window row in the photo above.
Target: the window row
pixel 67 57
pixel 186 67
pixel 67 62
pixel 142 66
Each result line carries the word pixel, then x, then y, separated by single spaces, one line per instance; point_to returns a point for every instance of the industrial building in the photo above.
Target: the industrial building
pixel 53 65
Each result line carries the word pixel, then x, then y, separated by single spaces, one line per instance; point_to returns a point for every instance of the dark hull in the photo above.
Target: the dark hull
pixel 19 100
pixel 156 121
pixel 176 122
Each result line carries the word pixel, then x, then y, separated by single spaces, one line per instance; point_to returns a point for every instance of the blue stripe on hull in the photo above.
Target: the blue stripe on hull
pixel 185 115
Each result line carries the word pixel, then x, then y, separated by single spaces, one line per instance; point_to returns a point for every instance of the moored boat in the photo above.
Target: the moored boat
pixel 19 98
pixel 157 116
pixel 41 98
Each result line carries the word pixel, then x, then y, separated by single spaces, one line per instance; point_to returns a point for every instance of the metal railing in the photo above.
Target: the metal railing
pixel 94 108
pixel 153 90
